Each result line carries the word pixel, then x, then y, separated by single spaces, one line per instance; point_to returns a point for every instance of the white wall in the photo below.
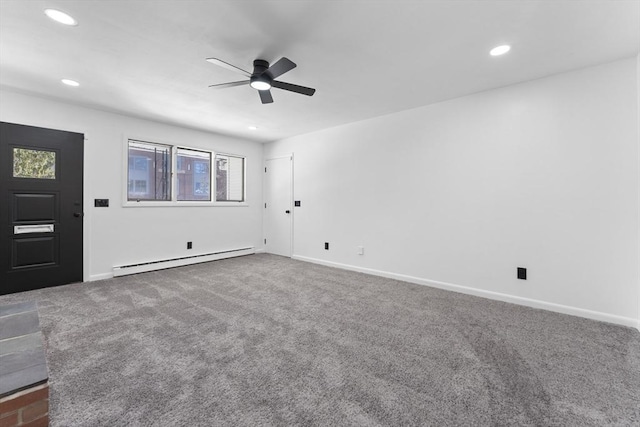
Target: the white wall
pixel 118 235
pixel 542 175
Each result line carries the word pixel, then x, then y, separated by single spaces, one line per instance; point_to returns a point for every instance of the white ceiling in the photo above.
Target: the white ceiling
pixel 365 58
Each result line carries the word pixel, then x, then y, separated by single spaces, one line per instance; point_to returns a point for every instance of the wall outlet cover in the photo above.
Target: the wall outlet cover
pixel 522 273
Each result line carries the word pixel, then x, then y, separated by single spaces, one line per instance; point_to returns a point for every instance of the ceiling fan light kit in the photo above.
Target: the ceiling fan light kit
pixel 263 77
pixel 260 84
pixel 260 80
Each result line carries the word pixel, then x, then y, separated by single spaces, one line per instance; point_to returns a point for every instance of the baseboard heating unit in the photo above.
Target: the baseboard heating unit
pixel 141 267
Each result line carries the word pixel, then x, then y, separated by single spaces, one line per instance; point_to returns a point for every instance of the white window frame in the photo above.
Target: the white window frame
pixel 173 181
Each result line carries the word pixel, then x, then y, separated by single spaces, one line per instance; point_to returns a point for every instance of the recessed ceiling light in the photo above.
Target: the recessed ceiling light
pixel 253 127
pixel 69 82
pixel 60 17
pixel 500 50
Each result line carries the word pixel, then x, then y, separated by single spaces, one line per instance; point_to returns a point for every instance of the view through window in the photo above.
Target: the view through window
pixel 150 177
pixel 193 169
pixel 149 172
pixel 229 178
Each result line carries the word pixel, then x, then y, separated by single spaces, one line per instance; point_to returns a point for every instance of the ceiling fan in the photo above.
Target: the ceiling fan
pixel 263 77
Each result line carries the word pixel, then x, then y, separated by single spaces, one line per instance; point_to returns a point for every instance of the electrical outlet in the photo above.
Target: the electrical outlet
pixel 326 246
pixel 360 250
pixel 522 273
pixel 189 245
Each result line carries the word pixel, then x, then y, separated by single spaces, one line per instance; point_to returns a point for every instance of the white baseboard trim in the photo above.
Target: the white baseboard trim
pixel 144 266
pixel 101 276
pixel 558 308
pixel 261 251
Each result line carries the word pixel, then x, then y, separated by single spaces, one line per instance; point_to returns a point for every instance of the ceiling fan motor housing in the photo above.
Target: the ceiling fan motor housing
pixel 259 74
pixel 263 77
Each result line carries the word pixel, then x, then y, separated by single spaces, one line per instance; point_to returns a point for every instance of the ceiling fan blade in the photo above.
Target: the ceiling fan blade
pixel 293 88
pixel 265 96
pixel 230 84
pixel 228 66
pixel 280 67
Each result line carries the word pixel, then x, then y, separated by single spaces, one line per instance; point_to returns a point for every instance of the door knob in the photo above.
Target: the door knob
pixel 78 214
pixel 287 211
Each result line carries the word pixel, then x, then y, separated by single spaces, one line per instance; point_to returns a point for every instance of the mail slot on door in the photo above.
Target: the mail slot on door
pixel 40 228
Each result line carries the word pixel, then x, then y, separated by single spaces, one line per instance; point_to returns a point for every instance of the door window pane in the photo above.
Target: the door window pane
pixel 38 164
pixel 149 172
pixel 229 178
pixel 194 174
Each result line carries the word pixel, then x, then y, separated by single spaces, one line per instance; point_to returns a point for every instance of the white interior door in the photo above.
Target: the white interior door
pixel 278 210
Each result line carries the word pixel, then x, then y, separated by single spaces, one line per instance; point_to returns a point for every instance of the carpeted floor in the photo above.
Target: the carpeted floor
pixel 265 340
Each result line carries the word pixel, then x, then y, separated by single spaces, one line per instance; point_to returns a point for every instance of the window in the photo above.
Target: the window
pixel 37 164
pixel 149 174
pixel 229 178
pixel 179 175
pixel 193 173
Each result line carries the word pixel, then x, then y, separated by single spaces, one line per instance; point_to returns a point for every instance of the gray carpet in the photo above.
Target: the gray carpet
pixel 265 340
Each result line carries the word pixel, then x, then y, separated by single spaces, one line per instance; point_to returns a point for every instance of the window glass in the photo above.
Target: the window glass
pixel 38 164
pixel 149 172
pixel 193 171
pixel 229 178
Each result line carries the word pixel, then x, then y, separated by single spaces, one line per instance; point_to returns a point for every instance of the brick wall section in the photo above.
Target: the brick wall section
pixel 26 408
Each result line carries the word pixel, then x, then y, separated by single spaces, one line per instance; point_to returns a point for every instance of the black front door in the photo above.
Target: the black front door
pixel 40 207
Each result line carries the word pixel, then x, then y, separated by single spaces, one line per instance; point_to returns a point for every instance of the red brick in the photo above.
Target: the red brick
pixel 35 410
pixel 40 422
pixel 23 398
pixel 9 419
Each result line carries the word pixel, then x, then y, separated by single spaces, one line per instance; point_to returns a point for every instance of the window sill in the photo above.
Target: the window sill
pixel 149 204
